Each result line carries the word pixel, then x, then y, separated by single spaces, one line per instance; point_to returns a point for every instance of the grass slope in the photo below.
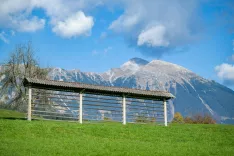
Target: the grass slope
pixel 11 114
pixel 21 137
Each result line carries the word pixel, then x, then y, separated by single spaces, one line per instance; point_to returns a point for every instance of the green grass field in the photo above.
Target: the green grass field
pixel 21 137
pixel 11 114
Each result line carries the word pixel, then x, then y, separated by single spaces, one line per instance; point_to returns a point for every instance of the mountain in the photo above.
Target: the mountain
pixel 194 94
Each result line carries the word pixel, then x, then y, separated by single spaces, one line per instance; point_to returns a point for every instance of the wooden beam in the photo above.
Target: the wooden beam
pixel 29 103
pixel 124 110
pixel 81 108
pixel 165 112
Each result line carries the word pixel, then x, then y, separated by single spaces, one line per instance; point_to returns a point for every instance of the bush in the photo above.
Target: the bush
pixel 152 119
pixel 200 119
pixel 107 118
pixel 197 118
pixel 141 118
pixel 144 119
pixel 207 119
pixel 178 118
pixel 188 120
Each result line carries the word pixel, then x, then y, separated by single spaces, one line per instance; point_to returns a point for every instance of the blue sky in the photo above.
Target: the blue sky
pixel 96 35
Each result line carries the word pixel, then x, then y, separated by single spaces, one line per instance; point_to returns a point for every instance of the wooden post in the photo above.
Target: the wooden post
pixel 29 103
pixel 124 110
pixel 81 108
pixel 165 111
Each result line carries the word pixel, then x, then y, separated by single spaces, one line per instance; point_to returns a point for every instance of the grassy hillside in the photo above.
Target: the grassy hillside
pixel 11 114
pixel 21 137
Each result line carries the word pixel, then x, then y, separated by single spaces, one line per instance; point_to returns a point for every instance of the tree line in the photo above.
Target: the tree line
pixel 194 119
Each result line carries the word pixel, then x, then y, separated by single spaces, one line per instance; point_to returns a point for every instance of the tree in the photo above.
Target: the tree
pixel 207 119
pixel 21 64
pixel 141 119
pixel 188 120
pixel 200 119
pixel 178 118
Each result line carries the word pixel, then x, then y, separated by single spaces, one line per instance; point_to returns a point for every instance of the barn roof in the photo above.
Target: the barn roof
pixel 96 89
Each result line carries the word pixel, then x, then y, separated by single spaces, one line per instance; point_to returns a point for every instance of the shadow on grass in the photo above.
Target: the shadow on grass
pixel 13 118
pixel 17 118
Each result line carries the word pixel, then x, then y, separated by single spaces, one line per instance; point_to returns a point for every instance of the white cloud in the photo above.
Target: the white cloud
pixel 3 37
pixel 157 23
pixel 76 25
pixel 63 15
pixel 153 37
pixel 179 18
pixel 225 72
pixel 125 22
pixel 29 25
pixel 17 15
pixel 69 18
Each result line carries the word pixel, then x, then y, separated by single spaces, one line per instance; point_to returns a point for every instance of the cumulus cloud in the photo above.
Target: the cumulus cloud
pixel 75 25
pixel 29 25
pixel 226 73
pixel 17 15
pixel 153 26
pixel 156 26
pixel 67 18
pixel 63 16
pixel 126 21
pixel 153 37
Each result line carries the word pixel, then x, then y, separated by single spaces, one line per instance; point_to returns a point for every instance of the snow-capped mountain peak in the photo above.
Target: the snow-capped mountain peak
pixel 167 65
pixel 139 61
pixel 134 64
